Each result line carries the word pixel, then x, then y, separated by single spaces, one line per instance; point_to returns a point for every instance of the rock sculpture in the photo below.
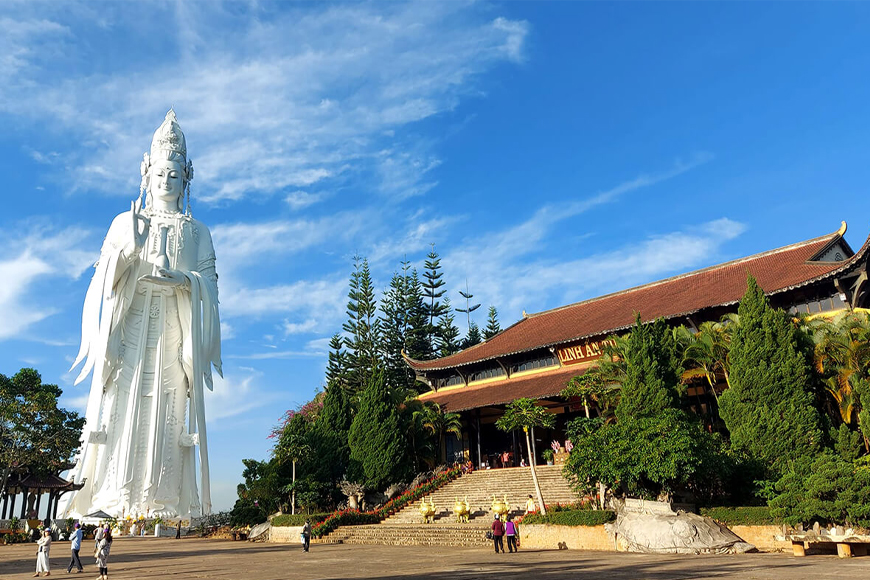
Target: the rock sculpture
pixel 654 527
pixel 150 334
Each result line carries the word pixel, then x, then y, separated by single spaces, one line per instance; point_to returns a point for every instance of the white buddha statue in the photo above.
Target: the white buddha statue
pixel 150 333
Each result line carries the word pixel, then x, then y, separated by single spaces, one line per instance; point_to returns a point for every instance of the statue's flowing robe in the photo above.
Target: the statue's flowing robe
pixel 151 349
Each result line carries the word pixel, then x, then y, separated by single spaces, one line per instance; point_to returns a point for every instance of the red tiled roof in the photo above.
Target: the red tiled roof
pixel 536 386
pixel 776 271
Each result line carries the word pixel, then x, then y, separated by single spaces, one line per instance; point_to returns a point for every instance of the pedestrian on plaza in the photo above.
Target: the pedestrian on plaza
pixel 42 553
pixel 75 546
pixel 530 505
pixel 102 553
pixel 306 535
pixel 513 535
pixel 178 530
pixel 498 534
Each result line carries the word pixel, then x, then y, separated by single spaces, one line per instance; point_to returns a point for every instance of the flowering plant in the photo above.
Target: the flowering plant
pixel 557 447
pixel 349 517
pixel 568 445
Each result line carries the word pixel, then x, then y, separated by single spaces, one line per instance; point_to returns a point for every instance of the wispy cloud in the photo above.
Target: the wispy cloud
pixel 42 253
pixel 270 111
pixel 237 393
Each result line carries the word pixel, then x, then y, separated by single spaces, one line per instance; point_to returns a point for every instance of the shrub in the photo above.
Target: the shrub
pixel 827 489
pixel 298 519
pixel 742 516
pixel 583 517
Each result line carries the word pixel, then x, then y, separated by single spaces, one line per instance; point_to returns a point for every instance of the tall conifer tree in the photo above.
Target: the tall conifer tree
pixel 362 327
pixel 432 292
pixel 394 327
pixel 473 337
pixel 492 325
pixel 448 334
pixel 377 448
pixel 336 366
pixel 653 371
pixel 769 407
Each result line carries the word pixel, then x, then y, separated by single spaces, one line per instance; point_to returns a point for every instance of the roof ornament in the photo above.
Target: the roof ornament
pixel 842 231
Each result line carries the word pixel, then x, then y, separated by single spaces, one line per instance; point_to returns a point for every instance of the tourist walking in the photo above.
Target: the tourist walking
pixel 306 535
pixel 42 554
pixel 102 553
pixel 530 505
pixel 75 546
pixel 513 535
pixel 498 534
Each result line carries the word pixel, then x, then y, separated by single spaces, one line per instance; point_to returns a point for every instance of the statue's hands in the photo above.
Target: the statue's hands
pixel 139 237
pixel 167 277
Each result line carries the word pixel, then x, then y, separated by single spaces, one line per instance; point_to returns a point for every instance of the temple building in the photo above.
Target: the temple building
pixel 539 354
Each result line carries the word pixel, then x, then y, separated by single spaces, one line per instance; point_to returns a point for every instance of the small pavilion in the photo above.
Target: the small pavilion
pixel 32 487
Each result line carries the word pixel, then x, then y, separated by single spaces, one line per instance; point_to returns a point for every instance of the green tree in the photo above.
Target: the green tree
pixel 362 326
pixel 440 423
pixel 492 327
pixel 395 321
pixel 293 447
pixel 36 435
pixel 336 365
pixel 526 414
pixel 769 407
pixel 708 354
pixel 448 334
pixel 377 449
pixel 433 290
pixel 473 337
pixel 417 344
pixel 652 371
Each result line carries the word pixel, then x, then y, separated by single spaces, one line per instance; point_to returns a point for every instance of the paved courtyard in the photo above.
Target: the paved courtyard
pixel 199 558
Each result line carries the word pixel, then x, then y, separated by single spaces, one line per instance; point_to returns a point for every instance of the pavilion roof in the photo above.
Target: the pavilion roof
pixel 500 392
pixel 46 482
pixel 776 271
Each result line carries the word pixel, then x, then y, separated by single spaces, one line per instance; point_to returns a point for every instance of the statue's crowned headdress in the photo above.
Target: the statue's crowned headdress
pixel 169 139
pixel 168 143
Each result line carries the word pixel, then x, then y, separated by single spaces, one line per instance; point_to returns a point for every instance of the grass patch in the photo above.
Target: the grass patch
pixel 742 515
pixel 585 517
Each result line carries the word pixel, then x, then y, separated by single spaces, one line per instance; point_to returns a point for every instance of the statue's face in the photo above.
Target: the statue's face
pixel 167 180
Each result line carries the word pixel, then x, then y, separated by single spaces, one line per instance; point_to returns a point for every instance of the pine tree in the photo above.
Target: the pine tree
pixel 492 326
pixel 432 293
pixel 417 345
pixel 653 371
pixel 394 328
pixel 473 337
pixel 769 407
pixel 336 366
pixel 362 326
pixel 448 334
pixel 377 448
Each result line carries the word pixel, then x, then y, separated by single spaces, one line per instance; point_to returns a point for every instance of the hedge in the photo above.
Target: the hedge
pixel 356 517
pixel 585 517
pixel 741 516
pixel 297 519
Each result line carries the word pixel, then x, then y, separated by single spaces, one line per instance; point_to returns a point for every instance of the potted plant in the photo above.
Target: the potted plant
pixel 548 456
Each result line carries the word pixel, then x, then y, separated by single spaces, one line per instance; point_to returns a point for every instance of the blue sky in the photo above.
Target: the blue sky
pixel 552 152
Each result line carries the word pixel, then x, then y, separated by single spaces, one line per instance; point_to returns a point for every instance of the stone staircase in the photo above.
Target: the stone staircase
pixel 405 528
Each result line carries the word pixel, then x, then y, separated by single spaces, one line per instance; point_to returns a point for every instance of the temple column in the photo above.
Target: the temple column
pixel 5 503
pixel 38 502
pixel 12 506
pixel 24 492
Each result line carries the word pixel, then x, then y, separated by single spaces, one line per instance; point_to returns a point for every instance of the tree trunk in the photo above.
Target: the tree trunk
pixel 586 406
pixel 293 493
pixel 602 490
pixel 529 446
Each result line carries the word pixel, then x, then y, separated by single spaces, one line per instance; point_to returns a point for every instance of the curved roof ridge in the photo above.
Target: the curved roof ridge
pixel 833 237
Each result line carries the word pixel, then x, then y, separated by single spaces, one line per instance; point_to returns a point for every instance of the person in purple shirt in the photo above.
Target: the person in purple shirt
pixel 75 545
pixel 513 535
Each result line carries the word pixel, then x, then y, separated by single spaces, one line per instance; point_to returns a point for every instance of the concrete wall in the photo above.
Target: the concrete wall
pixel 550 537
pixel 285 534
pixel 762 537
